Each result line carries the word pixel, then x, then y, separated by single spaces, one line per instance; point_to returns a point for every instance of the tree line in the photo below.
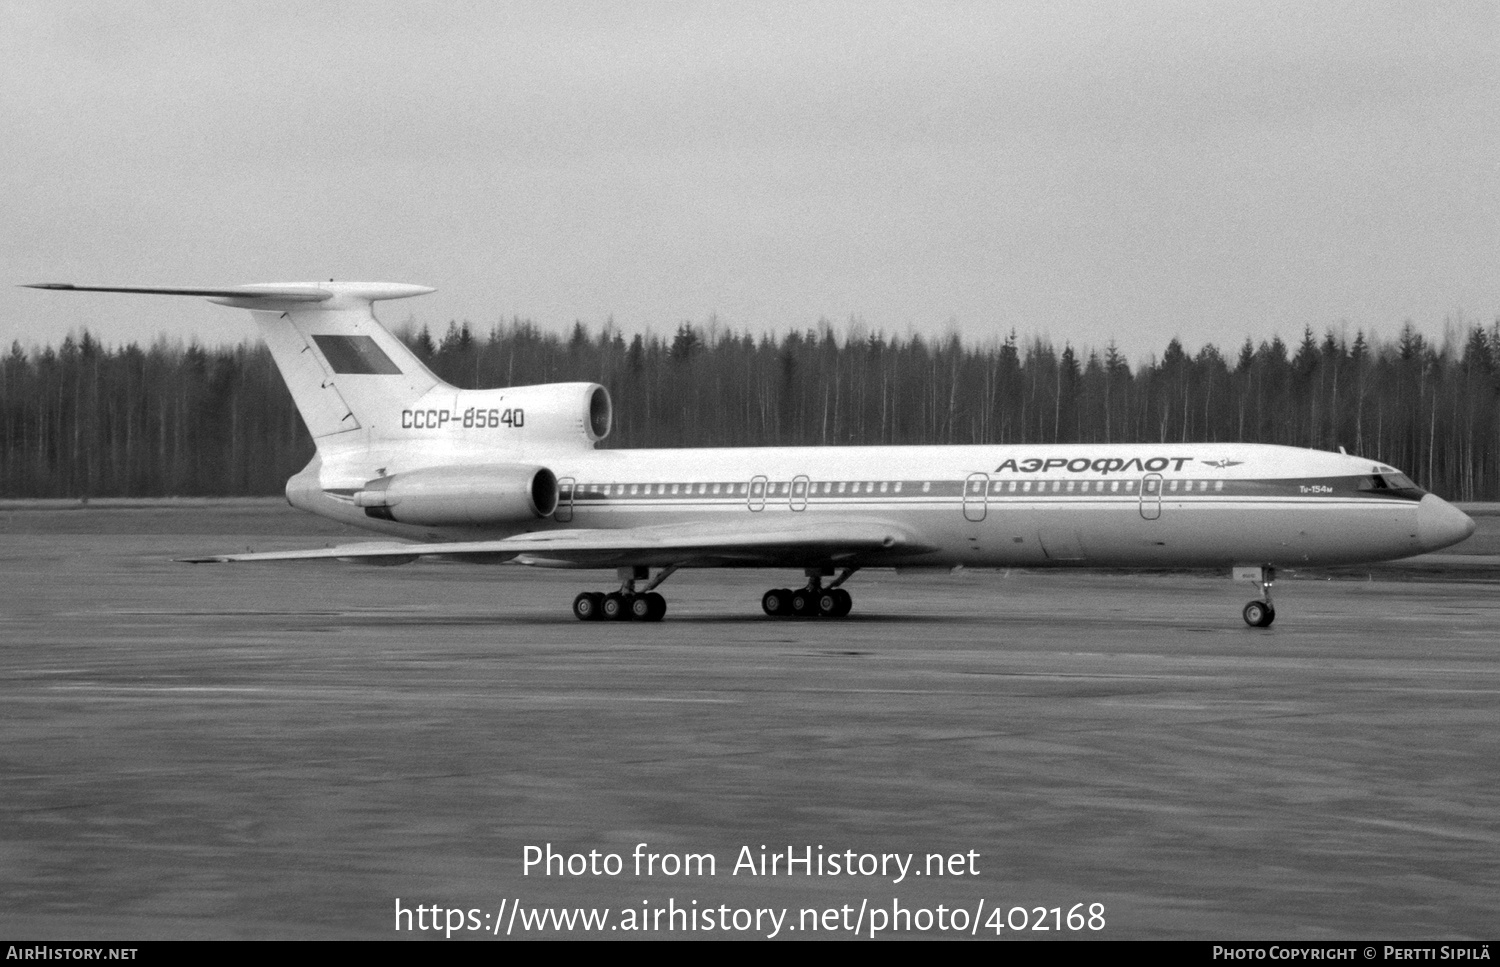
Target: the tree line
pixel 172 419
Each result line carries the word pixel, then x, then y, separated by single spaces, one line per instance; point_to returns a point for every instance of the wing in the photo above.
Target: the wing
pixel 700 544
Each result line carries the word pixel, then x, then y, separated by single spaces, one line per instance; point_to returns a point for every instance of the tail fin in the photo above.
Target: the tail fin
pixel 349 376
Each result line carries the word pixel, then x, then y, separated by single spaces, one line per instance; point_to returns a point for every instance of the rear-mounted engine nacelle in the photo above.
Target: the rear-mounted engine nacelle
pixel 558 412
pixel 486 494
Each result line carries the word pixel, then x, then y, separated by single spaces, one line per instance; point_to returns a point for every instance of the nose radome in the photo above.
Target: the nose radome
pixel 1440 524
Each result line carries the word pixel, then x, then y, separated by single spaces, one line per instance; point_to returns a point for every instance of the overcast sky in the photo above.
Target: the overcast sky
pixel 1077 171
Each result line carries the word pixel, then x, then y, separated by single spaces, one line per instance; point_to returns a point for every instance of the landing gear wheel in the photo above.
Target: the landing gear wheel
pixel 656 606
pixel 804 603
pixel 1259 614
pixel 587 606
pixel 648 607
pixel 615 607
pixel 834 603
pixel 777 602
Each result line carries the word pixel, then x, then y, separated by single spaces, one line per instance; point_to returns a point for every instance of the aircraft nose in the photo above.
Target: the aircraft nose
pixel 1440 524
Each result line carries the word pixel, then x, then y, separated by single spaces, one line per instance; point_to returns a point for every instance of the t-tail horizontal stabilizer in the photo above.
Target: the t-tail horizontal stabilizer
pixel 262 295
pixel 326 342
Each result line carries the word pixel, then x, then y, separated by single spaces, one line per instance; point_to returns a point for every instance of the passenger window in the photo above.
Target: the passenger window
pixel 841 486
pixel 898 486
pixel 883 486
pixel 926 486
pixel 1218 485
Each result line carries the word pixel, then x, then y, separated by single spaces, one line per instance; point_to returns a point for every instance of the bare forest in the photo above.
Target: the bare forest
pixel 85 420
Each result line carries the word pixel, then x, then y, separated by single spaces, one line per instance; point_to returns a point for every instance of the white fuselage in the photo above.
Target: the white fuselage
pixel 1121 505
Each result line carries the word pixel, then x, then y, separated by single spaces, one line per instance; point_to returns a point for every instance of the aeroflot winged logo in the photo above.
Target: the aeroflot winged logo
pixel 1222 464
pixel 1096 464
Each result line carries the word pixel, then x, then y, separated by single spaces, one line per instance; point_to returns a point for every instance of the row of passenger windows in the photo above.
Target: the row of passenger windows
pixel 830 487
pixel 1096 486
pixel 742 489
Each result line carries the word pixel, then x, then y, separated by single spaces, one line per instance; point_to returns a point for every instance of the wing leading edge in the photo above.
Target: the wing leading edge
pixel 651 546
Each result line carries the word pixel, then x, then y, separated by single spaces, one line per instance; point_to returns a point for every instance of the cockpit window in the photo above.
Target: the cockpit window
pixel 1399 481
pixel 1391 480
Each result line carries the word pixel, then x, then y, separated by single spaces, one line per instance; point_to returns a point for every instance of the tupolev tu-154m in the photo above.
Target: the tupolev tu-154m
pixel 513 474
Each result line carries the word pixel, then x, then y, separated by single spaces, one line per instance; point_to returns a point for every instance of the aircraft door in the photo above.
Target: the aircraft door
pixel 976 496
pixel 800 484
pixel 564 512
pixel 755 497
pixel 1151 496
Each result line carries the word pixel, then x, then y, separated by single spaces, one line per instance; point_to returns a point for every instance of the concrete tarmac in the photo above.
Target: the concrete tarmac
pixel 301 751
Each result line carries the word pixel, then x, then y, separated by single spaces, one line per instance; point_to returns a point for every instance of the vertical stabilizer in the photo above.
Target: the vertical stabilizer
pixel 349 375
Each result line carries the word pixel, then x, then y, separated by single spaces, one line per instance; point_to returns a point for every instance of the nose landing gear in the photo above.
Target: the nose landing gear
pixel 1258 614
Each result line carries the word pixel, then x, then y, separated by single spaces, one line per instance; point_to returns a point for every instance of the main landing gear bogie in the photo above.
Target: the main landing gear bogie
pixel 618 606
pixel 813 601
pixel 626 604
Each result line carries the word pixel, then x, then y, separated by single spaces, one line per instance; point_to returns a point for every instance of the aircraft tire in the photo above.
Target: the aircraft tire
pixel 845 603
pixel 804 604
pixel 640 607
pixel 777 602
pixel 1258 614
pixel 615 607
pixel 828 603
pixel 656 605
pixel 586 607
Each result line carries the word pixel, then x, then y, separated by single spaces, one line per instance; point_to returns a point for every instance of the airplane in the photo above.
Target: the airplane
pixel 515 475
